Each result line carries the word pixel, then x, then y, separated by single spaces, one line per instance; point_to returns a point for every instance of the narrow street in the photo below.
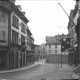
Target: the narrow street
pixel 44 71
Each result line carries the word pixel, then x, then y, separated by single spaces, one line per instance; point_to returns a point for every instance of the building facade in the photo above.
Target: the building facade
pixel 73 31
pixel 53 44
pixel 14 37
pixel 4 37
pixel 53 50
pixel 30 47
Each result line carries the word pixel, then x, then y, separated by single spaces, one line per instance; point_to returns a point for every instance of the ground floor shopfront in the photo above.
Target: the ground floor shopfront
pixel 13 57
pixel 73 56
pixel 4 57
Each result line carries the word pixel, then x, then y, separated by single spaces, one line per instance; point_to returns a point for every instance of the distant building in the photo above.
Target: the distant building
pixel 30 46
pixel 37 51
pixel 53 44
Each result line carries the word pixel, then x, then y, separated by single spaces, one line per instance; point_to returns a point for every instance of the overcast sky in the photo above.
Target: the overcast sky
pixel 46 17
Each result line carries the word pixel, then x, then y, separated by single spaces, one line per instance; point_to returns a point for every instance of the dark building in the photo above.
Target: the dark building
pixel 73 29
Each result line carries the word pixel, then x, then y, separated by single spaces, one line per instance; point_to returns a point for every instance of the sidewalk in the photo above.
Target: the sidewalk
pixel 25 67
pixel 66 72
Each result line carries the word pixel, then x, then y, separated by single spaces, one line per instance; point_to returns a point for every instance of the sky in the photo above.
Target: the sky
pixel 46 17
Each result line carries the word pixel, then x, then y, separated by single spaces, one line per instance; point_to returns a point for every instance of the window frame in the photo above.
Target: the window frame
pixel 15 36
pixel 3 36
pixel 15 22
pixel 23 28
pixel 49 46
pixel 56 46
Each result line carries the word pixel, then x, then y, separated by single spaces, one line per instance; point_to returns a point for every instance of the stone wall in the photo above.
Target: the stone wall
pixel 56 58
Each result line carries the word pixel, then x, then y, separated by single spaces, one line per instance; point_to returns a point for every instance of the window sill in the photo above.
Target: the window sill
pixel 15 26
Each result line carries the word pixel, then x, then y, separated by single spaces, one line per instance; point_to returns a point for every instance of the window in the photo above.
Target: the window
pixel 14 37
pixel 2 17
pixel 22 39
pixel 55 51
pixel 22 27
pixel 49 51
pixel 49 46
pixel 3 35
pixel 15 22
pixel 55 46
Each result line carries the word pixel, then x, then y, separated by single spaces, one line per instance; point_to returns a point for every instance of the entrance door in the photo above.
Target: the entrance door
pixel 2 60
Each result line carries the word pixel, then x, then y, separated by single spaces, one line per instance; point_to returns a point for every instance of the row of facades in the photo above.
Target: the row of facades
pixel 16 41
pixel 74 34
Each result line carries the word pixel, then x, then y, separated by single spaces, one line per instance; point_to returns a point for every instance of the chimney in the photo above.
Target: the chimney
pixel 19 7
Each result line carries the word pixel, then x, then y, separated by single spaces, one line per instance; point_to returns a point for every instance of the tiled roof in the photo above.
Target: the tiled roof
pixel 54 39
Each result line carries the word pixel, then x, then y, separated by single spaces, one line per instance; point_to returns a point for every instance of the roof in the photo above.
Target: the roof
pixel 54 39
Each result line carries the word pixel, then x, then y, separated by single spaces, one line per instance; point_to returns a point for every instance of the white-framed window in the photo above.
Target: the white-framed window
pixel 55 51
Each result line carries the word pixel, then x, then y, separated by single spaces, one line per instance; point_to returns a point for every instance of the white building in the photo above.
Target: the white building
pixel 53 44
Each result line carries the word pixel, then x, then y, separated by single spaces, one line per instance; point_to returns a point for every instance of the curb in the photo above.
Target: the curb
pixel 20 69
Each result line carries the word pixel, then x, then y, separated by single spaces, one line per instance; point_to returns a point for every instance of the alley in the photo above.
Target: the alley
pixel 44 71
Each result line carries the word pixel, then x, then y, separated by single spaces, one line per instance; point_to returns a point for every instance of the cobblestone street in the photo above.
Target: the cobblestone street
pixel 43 71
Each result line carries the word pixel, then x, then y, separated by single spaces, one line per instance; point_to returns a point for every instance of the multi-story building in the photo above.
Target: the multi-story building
pixel 53 44
pixel 43 50
pixel 73 30
pixel 39 51
pixel 16 41
pixel 4 37
pixel 30 46
pixel 53 49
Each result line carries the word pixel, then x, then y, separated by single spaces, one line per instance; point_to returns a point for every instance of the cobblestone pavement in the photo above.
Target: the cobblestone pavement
pixel 44 71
